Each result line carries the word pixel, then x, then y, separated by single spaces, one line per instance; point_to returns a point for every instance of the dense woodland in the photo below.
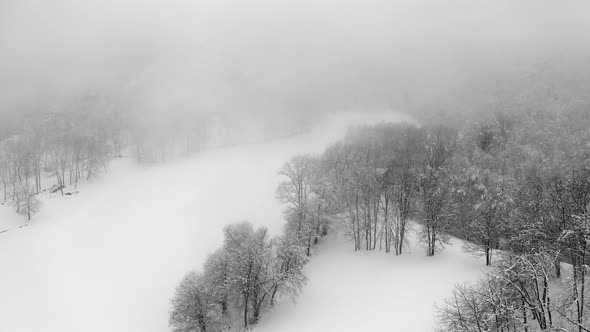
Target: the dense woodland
pixel 516 187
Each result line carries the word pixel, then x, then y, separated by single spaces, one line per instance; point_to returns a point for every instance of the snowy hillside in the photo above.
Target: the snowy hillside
pixel 109 258
pixel 373 291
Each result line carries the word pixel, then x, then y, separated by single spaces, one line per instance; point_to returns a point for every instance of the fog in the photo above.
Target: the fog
pixel 177 84
pixel 306 55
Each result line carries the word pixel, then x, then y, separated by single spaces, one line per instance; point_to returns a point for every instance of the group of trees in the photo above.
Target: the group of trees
pixel 78 140
pixel 239 281
pixel 548 224
pixel 525 188
pixel 246 275
pixel 309 200
pixel 376 179
pixel 520 295
pixel 515 186
pixel 74 138
pixel 356 180
pixel 67 146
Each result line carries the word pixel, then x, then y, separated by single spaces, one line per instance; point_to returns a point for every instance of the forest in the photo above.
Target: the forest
pixel 514 185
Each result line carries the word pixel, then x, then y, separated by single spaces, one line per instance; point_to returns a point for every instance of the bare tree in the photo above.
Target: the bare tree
pixel 27 203
pixel 434 187
pixel 296 189
pixel 489 221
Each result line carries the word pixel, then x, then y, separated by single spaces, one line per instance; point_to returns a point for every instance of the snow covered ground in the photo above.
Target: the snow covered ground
pixel 108 258
pixel 8 218
pixel 373 291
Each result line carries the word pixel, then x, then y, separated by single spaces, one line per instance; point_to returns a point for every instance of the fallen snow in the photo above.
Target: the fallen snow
pixel 108 258
pixel 8 218
pixel 373 291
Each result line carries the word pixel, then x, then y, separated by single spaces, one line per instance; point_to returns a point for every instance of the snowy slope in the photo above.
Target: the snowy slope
pixel 109 258
pixel 373 291
pixel 8 218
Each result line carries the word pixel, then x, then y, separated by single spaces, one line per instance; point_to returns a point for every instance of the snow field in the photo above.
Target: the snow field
pixel 373 291
pixel 108 258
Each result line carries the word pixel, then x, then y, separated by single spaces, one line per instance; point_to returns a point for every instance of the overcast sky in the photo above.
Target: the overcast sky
pixel 274 54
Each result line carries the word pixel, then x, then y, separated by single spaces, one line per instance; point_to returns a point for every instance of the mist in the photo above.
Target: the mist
pixel 364 158
pixel 271 56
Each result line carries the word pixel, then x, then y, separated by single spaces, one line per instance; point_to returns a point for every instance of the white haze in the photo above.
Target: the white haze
pixel 108 259
pixel 275 54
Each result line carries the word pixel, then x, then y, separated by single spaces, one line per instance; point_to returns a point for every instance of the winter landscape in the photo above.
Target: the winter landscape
pixel 287 166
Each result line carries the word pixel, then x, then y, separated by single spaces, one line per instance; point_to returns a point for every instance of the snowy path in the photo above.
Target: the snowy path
pixel 372 291
pixel 108 259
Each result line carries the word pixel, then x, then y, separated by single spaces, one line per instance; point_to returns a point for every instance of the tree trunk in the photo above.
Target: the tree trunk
pixel 202 324
pixel 4 186
pixel 557 265
pixel 246 301
pixel 224 305
pixel 274 293
pixel 402 234
pixel 583 288
pixel 376 221
pixel 386 225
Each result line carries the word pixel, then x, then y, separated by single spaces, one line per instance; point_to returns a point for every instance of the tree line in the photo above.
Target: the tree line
pixel 251 270
pixel 239 281
pixel 515 186
pixel 57 147
pixel 74 138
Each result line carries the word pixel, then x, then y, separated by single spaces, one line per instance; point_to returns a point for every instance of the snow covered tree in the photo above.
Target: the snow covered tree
pixel 399 204
pixel 240 280
pixel 517 296
pixel 490 215
pixel 26 201
pixel 486 306
pixel 289 259
pixel 250 267
pixel 529 275
pixel 576 239
pixel 434 201
pixel 296 189
pixel 216 276
pixel 193 306
pixel 434 187
pixel 310 199
pixel 404 169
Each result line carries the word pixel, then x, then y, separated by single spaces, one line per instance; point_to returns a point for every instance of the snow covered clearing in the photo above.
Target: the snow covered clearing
pixel 108 258
pixel 373 291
